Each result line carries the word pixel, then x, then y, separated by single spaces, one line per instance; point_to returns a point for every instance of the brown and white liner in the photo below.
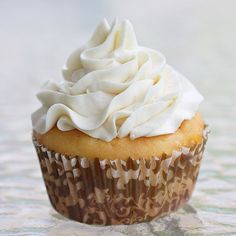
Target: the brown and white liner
pixel 108 192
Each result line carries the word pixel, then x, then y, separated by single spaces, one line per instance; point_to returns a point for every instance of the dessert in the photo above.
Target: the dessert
pixel 120 140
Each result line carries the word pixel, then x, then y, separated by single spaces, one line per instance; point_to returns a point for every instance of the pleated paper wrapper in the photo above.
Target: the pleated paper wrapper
pixel 110 192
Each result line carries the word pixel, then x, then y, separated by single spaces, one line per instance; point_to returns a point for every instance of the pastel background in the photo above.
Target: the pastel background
pixel 198 38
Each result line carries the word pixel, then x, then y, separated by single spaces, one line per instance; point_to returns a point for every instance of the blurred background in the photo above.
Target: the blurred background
pixel 198 39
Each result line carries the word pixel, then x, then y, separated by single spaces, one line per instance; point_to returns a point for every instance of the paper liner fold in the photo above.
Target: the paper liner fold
pixel 96 191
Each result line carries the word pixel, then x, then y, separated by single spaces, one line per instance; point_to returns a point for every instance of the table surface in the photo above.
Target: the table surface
pixel 198 39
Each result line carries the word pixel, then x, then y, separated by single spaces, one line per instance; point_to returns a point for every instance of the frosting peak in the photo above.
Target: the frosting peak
pixel 114 88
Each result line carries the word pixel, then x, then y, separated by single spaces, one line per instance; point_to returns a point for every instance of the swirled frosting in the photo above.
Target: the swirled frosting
pixel 115 88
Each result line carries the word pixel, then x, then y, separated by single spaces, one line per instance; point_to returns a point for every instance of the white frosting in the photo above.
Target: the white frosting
pixel 115 88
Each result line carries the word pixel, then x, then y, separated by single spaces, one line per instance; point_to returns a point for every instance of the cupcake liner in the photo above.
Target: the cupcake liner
pixel 108 192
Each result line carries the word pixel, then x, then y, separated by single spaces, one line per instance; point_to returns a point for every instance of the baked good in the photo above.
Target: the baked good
pixel 120 140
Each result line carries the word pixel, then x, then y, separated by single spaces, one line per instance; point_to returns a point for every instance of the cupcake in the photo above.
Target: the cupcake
pixel 120 139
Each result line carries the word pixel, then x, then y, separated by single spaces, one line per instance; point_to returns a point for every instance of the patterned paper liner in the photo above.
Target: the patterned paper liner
pixel 108 192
